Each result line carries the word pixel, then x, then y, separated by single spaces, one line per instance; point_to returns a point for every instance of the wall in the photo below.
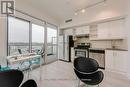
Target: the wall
pixel 128 30
pixel 2 40
pixel 25 7
pixel 112 8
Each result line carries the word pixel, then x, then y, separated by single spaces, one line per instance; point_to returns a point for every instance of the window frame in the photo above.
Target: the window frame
pixel 21 19
pixel 45 25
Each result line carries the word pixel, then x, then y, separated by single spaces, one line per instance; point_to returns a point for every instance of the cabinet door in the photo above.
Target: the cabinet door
pixel 112 29
pixel 109 61
pixel 82 30
pixel 93 32
pixel 68 32
pixel 116 29
pixel 103 30
pixel 120 61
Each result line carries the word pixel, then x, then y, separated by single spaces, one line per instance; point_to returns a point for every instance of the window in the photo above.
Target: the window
pixel 37 38
pixel 24 37
pixel 18 36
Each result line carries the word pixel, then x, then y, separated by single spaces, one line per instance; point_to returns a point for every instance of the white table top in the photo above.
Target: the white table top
pixel 22 58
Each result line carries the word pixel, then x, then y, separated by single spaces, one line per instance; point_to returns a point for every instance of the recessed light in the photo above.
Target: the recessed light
pixel 75 13
pixel 83 10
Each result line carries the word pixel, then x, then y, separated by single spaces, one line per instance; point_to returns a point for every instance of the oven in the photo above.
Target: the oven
pixel 80 53
pixel 82 50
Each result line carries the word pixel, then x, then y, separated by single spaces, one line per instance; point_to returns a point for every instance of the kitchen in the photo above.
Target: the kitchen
pixel 104 40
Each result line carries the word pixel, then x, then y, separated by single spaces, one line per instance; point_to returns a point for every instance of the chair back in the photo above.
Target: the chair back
pixel 11 78
pixel 86 65
pixel 86 70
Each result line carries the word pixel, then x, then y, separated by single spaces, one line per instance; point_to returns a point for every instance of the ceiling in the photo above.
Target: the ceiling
pixel 60 9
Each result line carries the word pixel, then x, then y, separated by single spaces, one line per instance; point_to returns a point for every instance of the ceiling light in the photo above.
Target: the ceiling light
pixel 83 10
pixel 75 13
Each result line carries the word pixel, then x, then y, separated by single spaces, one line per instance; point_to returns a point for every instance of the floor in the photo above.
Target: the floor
pixel 61 74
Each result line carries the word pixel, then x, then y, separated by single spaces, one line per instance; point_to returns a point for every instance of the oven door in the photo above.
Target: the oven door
pixel 80 53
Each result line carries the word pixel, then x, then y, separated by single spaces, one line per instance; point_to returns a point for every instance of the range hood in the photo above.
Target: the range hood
pixel 83 36
pixel 80 36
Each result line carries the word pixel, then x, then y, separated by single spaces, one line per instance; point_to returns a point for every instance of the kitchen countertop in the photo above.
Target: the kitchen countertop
pixel 96 48
pixel 116 49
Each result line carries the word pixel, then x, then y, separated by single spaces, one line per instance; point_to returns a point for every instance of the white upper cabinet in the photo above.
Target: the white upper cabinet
pixel 82 30
pixel 102 30
pixel 117 29
pixel 112 29
pixel 68 32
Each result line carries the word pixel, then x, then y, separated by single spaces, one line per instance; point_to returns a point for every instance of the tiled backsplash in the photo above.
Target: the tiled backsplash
pixel 121 44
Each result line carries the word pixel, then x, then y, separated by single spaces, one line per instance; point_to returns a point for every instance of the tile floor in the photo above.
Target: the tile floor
pixel 61 74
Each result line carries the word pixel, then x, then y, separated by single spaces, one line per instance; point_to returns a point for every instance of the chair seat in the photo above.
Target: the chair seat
pixel 87 71
pixel 90 79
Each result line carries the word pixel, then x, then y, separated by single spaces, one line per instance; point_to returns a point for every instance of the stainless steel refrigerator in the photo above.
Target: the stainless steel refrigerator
pixel 65 44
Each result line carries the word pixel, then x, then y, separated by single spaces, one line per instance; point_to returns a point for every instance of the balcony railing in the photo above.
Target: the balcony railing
pixel 36 47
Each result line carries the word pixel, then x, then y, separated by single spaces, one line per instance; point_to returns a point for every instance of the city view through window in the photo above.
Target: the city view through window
pixel 22 40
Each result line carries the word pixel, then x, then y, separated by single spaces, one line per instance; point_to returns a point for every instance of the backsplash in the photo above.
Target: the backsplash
pixel 121 44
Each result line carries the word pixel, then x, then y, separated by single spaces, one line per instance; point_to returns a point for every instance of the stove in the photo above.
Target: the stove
pixel 82 50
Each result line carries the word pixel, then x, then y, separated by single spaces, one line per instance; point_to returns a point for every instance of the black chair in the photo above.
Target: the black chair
pixel 14 78
pixel 86 70
pixel 29 83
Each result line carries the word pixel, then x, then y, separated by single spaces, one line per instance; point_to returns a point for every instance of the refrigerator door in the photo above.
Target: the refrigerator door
pixel 66 53
pixel 66 39
pixel 61 47
pixel 66 48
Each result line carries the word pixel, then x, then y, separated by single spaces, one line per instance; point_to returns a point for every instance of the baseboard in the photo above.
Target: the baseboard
pixel 64 60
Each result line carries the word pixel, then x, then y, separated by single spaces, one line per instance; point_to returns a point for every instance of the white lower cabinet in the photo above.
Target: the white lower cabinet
pixel 116 61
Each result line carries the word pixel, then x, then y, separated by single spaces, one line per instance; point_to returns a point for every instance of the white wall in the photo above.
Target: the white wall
pixel 112 8
pixel 2 40
pixel 25 7
pixel 128 34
